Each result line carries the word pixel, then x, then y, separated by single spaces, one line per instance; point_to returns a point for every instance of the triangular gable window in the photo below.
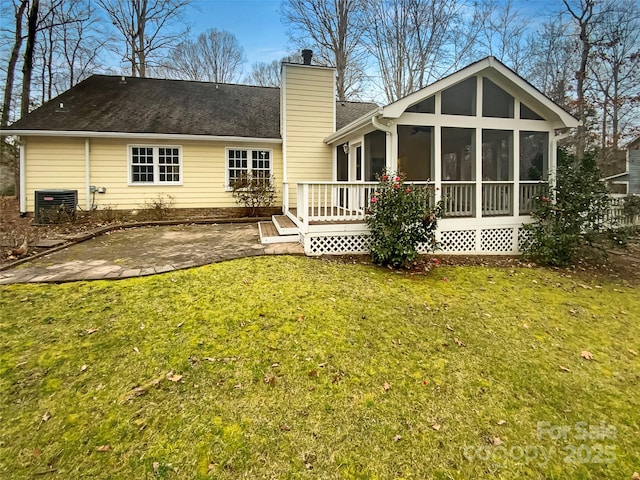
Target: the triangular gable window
pixel 460 99
pixel 428 105
pixel 527 114
pixel 496 102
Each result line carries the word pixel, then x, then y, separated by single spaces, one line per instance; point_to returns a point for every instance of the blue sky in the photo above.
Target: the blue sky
pixel 256 24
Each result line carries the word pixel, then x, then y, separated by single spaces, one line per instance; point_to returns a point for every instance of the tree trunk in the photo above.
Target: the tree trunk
pixel 27 67
pixel 8 90
pixel 11 68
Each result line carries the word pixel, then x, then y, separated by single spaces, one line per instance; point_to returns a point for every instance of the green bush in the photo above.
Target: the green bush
pixel 400 219
pixel 255 193
pixel 571 217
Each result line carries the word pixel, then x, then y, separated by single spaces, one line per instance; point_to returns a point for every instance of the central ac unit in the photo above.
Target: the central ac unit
pixel 55 206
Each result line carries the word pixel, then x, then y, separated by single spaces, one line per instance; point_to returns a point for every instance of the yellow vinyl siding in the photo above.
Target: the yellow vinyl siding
pixel 52 164
pixel 309 117
pixel 203 171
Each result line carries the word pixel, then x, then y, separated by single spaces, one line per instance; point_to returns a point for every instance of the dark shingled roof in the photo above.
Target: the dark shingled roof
pixel 103 103
pixel 347 112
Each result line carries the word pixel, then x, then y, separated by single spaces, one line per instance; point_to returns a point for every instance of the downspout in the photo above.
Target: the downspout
pixel 87 176
pixel 23 178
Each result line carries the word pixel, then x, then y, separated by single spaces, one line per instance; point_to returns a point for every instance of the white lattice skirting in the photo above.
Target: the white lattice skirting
pixel 503 240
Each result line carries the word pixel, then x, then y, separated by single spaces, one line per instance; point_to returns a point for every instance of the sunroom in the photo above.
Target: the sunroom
pixel 483 139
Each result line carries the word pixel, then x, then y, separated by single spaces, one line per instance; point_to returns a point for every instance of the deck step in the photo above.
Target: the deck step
pixel 284 225
pixel 269 234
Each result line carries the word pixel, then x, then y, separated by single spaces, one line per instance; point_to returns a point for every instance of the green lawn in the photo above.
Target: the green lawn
pixel 289 367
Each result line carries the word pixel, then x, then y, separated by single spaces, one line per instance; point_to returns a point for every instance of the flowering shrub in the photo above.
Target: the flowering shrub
pixel 400 219
pixel 575 220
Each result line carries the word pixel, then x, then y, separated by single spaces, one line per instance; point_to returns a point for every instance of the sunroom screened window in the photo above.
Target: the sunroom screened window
pixel 460 99
pixel 415 147
pixel 534 148
pixel 155 165
pixel 495 101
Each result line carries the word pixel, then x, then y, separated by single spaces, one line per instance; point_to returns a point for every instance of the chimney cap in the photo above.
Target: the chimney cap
pixel 306 56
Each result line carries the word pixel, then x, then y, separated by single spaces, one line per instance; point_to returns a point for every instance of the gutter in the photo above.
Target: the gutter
pixel 357 123
pixel 380 126
pixel 152 136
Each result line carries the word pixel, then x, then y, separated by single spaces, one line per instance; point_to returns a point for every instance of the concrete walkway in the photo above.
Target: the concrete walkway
pixel 146 251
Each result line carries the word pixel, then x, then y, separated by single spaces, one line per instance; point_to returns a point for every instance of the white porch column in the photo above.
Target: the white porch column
pixel 87 175
pixel 437 161
pixel 516 172
pixel 23 176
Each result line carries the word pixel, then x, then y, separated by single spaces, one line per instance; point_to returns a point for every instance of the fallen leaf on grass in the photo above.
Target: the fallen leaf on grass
pixel 284 427
pixel 141 390
pixel 525 325
pixel 501 422
pixel 397 438
pixel 495 441
pixel 564 369
pixel 92 330
pixel 459 342
pixel 436 426
pixel 36 452
pixel 586 355
pixel 313 373
pixel 103 448
pixel 173 377
pixel 386 386
pixel 83 367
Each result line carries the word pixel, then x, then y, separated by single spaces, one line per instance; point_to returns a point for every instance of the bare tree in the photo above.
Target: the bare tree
pixel 584 18
pixel 264 74
pixel 409 39
pixel 502 32
pixel 215 56
pixel 552 62
pixel 27 63
pixel 616 70
pixel 333 29
pixel 147 27
pixel 19 10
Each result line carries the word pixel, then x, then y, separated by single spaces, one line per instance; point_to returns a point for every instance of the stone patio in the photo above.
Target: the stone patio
pixel 144 251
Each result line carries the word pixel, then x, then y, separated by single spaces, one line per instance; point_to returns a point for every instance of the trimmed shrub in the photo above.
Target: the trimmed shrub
pixel 401 217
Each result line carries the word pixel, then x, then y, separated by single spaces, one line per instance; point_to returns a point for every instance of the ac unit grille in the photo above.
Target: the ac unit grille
pixel 55 206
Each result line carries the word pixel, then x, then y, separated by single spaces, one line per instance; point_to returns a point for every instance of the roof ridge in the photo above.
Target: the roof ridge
pixel 203 82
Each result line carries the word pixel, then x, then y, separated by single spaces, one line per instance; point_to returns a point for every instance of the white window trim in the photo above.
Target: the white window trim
pixel 227 186
pixel 156 165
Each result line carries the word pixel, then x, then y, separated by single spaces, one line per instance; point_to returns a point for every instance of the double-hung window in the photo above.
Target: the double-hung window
pixel 244 163
pixel 151 165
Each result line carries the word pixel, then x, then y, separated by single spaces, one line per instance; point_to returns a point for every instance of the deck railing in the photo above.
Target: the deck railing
pixel 529 192
pixel 458 199
pixel 350 201
pixel 338 201
pixel 497 199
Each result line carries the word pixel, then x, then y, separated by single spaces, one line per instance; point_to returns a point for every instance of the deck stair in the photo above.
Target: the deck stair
pixel 279 230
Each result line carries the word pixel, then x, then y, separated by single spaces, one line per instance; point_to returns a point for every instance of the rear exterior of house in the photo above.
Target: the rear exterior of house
pixel 483 139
